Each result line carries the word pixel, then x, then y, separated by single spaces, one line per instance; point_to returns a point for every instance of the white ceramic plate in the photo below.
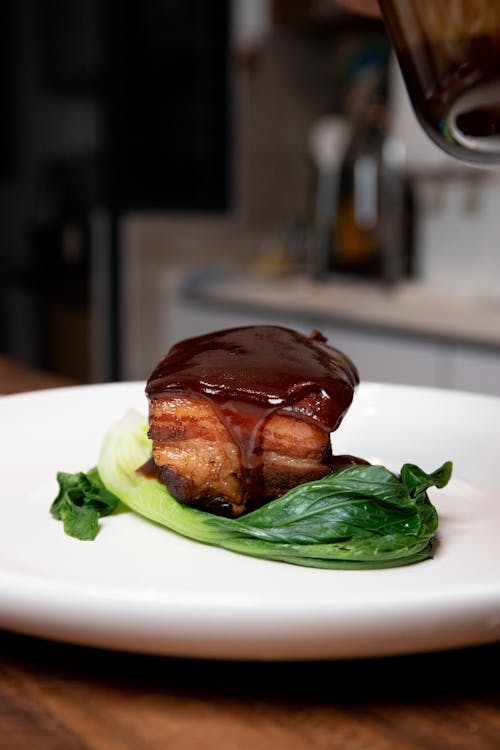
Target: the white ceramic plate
pixel 141 588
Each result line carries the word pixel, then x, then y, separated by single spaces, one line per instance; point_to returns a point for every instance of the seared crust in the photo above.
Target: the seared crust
pixel 194 451
pixel 200 463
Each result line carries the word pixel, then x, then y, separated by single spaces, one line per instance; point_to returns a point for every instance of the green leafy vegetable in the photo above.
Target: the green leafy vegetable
pixel 81 501
pixel 359 517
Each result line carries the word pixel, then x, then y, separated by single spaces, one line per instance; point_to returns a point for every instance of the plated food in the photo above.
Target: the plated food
pixel 240 416
pixel 237 452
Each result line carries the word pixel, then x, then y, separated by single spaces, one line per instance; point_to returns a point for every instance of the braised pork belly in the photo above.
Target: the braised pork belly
pixel 238 417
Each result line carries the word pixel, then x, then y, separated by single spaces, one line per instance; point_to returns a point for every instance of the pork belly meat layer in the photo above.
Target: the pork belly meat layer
pixel 201 464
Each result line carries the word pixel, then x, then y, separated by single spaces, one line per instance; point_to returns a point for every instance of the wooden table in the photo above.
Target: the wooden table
pixel 61 697
pixel 16 377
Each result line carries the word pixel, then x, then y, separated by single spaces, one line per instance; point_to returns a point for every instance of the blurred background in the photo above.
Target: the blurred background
pixel 176 166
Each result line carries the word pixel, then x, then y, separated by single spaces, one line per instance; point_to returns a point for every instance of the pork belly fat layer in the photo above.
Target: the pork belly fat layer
pixel 201 464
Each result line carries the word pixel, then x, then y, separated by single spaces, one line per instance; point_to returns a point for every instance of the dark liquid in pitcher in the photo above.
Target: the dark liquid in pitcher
pixel 454 87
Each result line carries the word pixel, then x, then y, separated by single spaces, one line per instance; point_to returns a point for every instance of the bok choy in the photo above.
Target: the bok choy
pixel 363 516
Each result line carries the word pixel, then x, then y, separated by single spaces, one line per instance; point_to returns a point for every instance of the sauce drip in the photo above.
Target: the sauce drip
pixel 251 372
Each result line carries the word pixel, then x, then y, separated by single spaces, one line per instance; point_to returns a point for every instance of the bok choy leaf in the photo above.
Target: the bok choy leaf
pixel 81 501
pixel 359 517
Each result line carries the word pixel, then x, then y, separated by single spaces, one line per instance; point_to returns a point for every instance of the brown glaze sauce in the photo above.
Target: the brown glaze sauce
pixel 148 469
pixel 251 372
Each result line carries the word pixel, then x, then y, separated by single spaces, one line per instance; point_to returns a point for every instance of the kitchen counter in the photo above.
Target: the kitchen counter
pixel 410 334
pixel 408 309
